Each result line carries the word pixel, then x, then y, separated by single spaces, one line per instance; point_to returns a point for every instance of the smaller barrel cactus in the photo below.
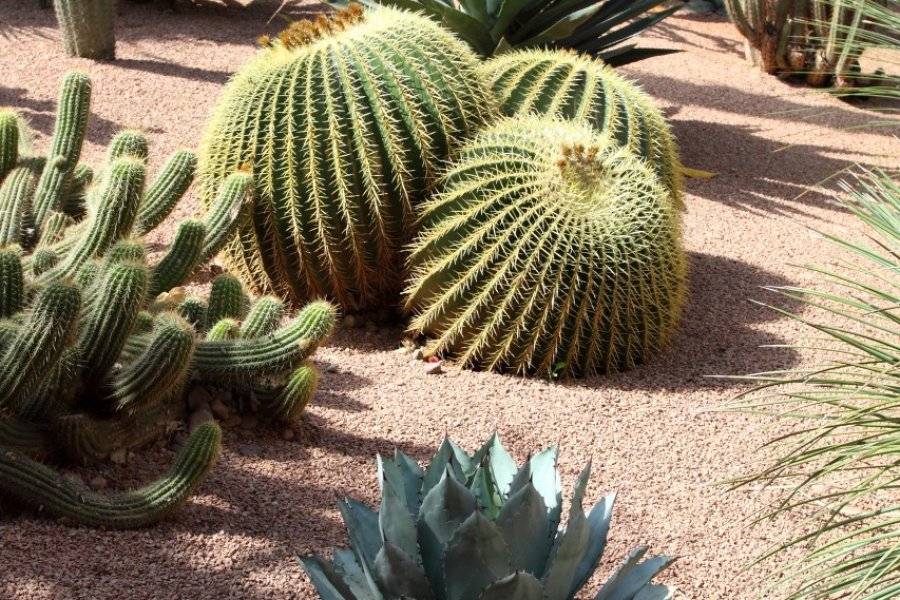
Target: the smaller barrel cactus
pixel 565 84
pixel 549 249
pixel 477 527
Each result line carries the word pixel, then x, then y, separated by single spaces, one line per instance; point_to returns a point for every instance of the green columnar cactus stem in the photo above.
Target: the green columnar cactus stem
pixel 9 142
pixel 74 201
pixel 28 439
pixel 227 213
pixel 65 149
pixel 88 27
pixel 115 213
pixel 226 299
pixel 549 250
pixel 56 389
pixel 54 228
pixel 126 250
pixel 286 404
pixel 42 260
pixel 273 354
pixel 16 193
pixel 564 84
pixel 164 193
pixel 111 309
pixel 344 123
pixel 37 485
pixel 128 143
pixel 181 260
pixel 193 310
pixel 263 318
pixel 224 329
pixel 87 273
pixel 162 367
pixel 49 325
pixel 12 282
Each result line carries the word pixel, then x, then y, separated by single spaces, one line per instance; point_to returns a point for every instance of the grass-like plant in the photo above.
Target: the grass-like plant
pixel 844 459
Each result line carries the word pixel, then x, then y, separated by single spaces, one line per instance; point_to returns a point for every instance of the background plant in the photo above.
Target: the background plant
pixel 343 122
pixel 599 28
pixel 478 527
pixel 88 27
pixel 97 343
pixel 844 460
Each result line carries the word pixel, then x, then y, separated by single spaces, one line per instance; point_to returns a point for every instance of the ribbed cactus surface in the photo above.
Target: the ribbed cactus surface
pixel 560 83
pixel 549 249
pixel 88 27
pixel 98 345
pixel 343 122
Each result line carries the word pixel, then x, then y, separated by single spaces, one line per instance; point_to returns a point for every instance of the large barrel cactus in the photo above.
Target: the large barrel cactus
pixel 343 122
pixel 98 346
pixel 574 86
pixel 479 527
pixel 549 250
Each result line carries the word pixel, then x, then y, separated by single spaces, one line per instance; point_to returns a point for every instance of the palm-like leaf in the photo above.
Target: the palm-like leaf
pixel 601 28
pixel 846 463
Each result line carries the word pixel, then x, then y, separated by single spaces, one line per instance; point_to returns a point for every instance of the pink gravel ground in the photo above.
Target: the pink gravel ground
pixel 650 432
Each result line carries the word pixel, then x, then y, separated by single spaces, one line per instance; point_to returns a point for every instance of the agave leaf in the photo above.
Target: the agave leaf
pixel 468 28
pixel 325 580
pixel 546 481
pixel 486 493
pixel 592 43
pixel 563 28
pixel 525 526
pixel 405 483
pixel 623 55
pixel 443 510
pixel 550 15
pixel 476 8
pixel 476 557
pixel 412 475
pixel 449 454
pixel 518 586
pixel 399 576
pixel 363 531
pixel 396 522
pixel 501 463
pixel 655 592
pixel 571 546
pixel 598 529
pixel 633 576
pixel 351 573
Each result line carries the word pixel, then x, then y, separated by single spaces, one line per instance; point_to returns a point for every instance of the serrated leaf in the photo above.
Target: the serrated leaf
pixel 443 510
pixel 655 592
pixel 476 556
pixel 571 547
pixel 518 586
pixel 501 463
pixel 395 521
pixel 363 531
pixel 449 454
pixel 598 529
pixel 485 491
pixel 412 475
pixel 399 576
pixel 349 570
pixel 525 526
pixel 565 27
pixel 633 576
pixel 546 481
pixel 325 580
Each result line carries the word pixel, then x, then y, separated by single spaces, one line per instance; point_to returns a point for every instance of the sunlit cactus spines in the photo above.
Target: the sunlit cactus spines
pixel 88 27
pixel 550 250
pixel 565 84
pixel 344 122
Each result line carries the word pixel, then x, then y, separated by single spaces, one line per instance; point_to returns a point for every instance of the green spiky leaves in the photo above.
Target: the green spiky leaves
pixel 573 86
pixel 343 123
pixel 548 250
pixel 478 527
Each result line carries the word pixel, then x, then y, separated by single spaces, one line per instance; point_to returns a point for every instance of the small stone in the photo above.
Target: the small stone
pixel 352 321
pixel 120 456
pixel 250 450
pixel 199 398
pixel 220 409
pixel 332 369
pixel 199 417
pixel 418 354
pixel 434 368
pixel 288 434
pixel 99 482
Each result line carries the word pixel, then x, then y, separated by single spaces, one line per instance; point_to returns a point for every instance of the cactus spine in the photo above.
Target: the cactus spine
pixel 548 250
pixel 88 27
pixel 564 84
pixel 343 122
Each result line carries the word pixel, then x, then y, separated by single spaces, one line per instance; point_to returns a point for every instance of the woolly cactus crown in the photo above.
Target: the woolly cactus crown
pixel 344 121
pixel 550 249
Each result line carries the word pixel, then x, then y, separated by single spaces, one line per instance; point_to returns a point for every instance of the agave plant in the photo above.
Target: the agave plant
pixel 844 463
pixel 477 527
pixel 600 28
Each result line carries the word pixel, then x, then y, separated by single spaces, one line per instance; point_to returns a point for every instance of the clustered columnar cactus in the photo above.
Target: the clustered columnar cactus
pixel 97 342
pixel 478 528
pixel 549 249
pixel 88 27
pixel 574 86
pixel 343 121
pixel 816 39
